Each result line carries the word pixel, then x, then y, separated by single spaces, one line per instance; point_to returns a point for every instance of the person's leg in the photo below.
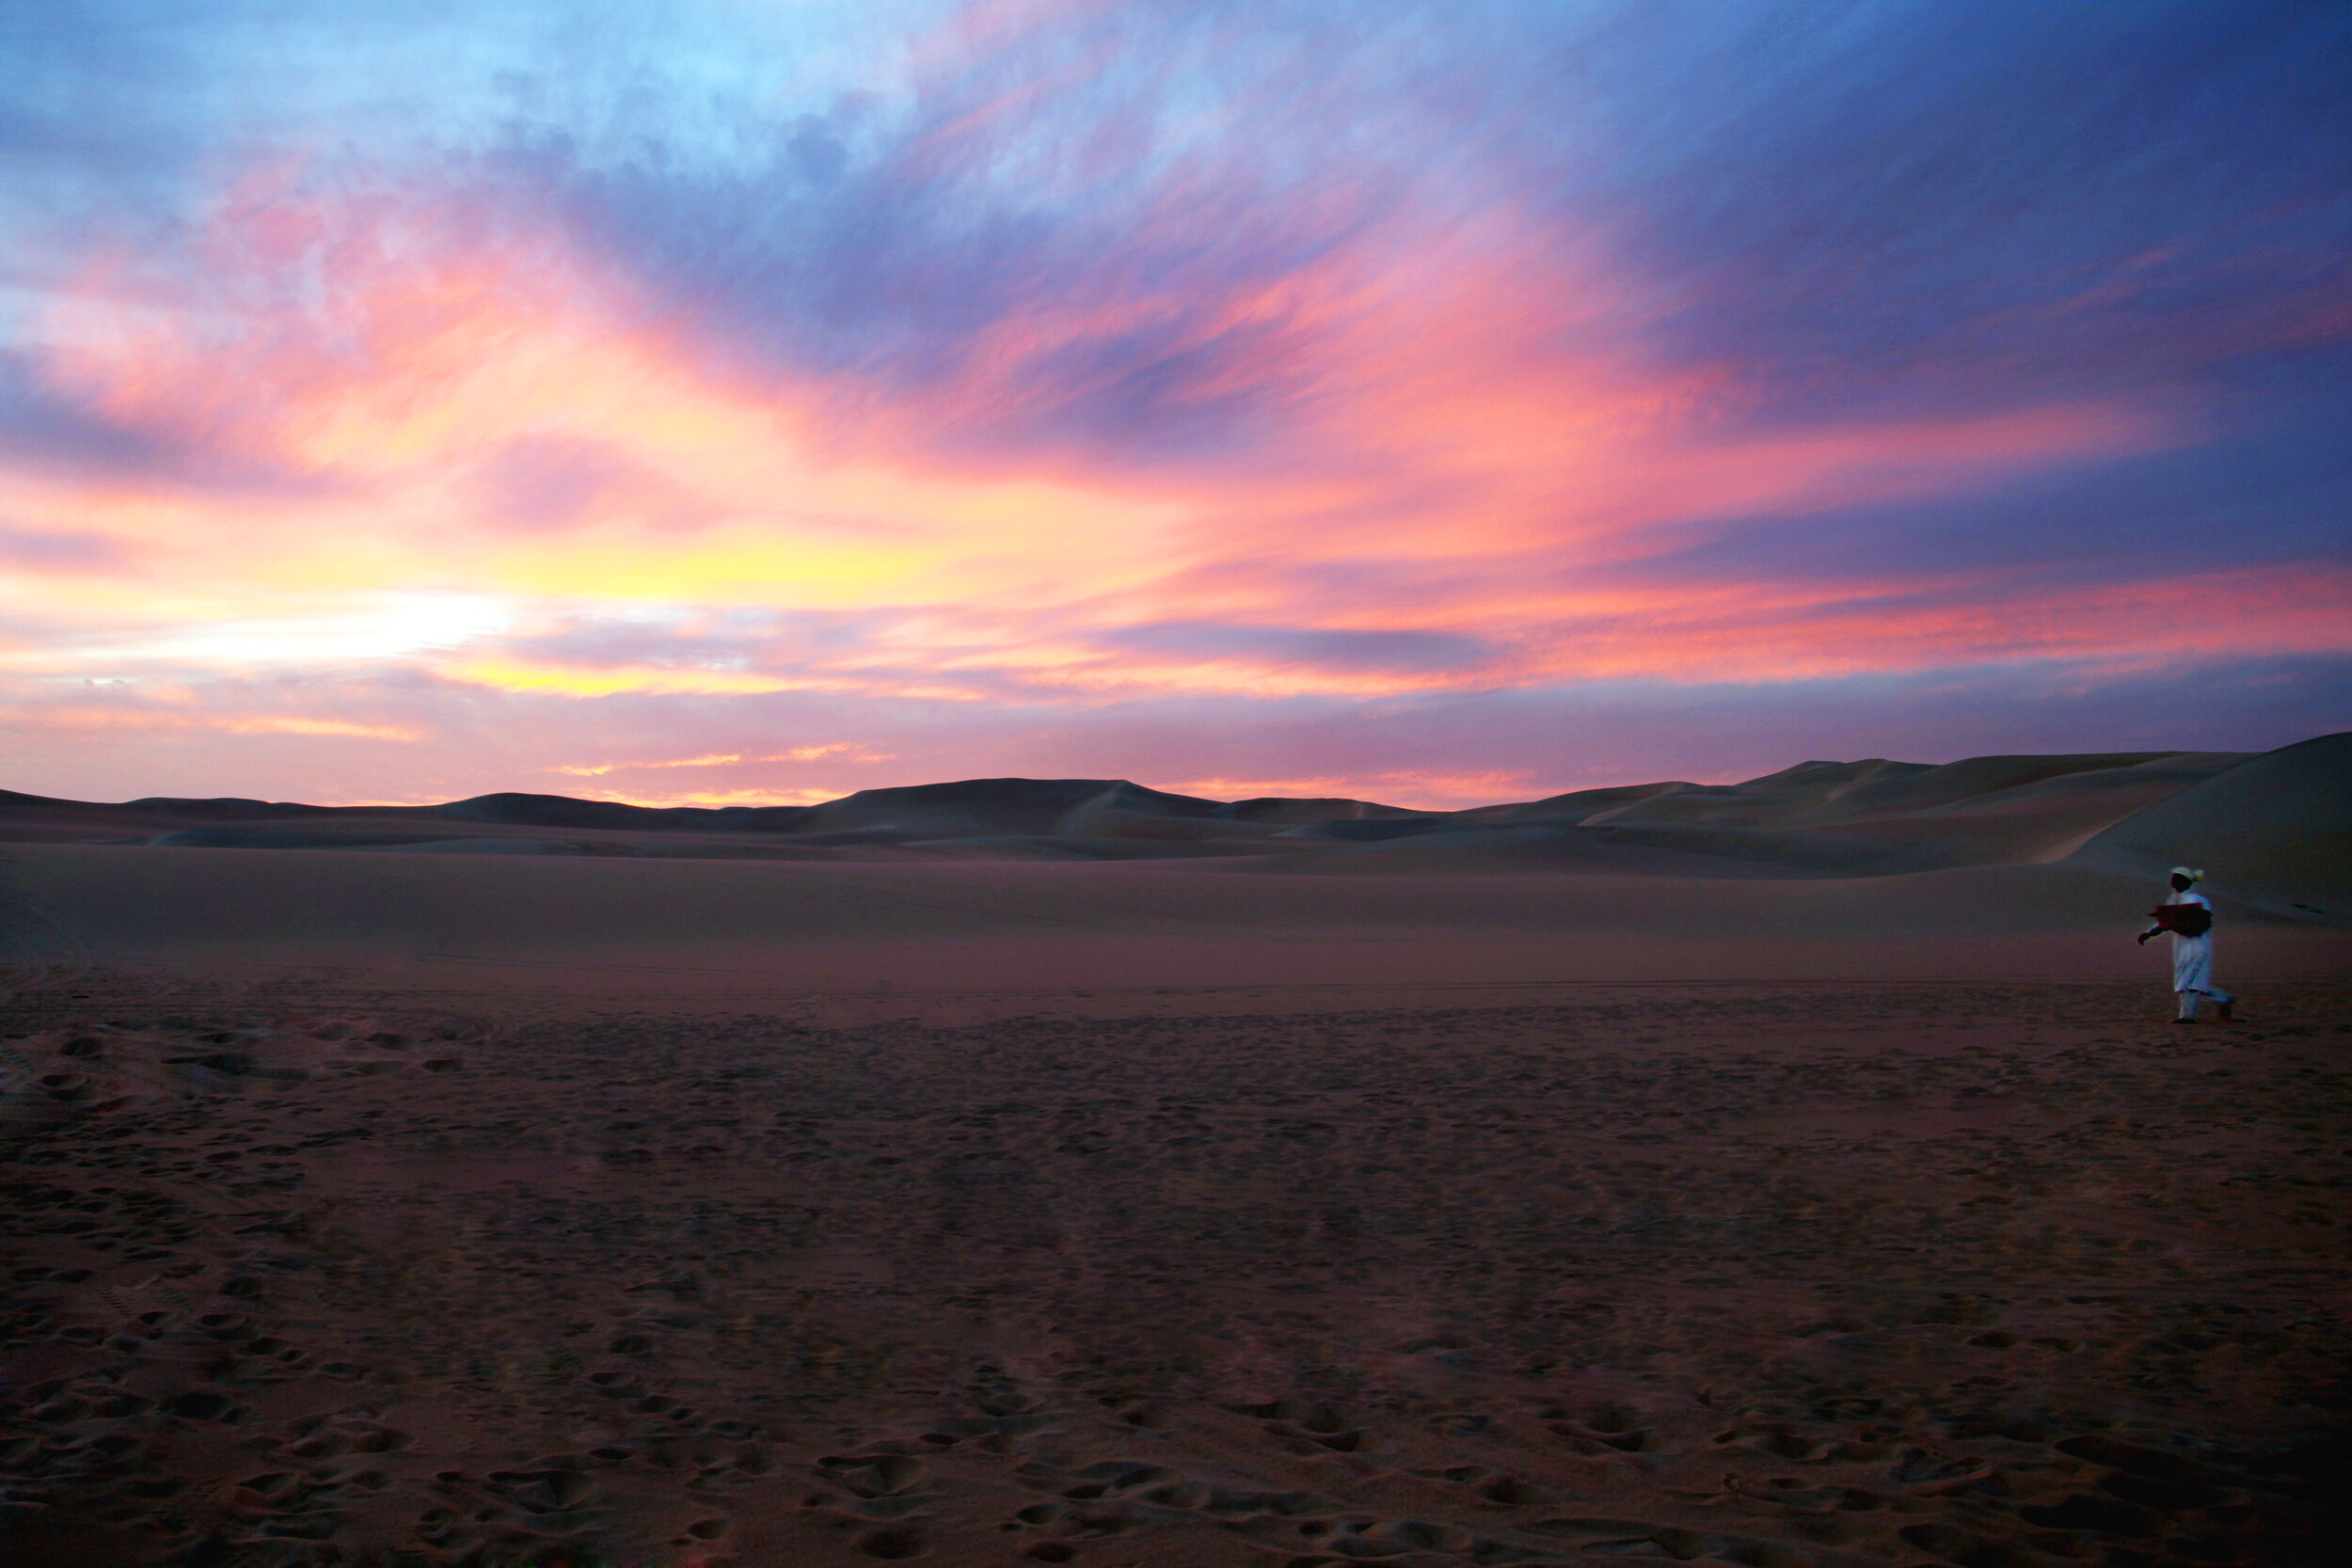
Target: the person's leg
pixel 2224 1001
pixel 2192 971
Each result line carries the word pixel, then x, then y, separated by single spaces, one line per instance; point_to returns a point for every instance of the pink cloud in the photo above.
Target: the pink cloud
pixel 1461 440
pixel 64 551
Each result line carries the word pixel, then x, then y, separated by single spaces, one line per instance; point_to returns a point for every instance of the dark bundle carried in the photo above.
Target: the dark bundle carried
pixel 2189 919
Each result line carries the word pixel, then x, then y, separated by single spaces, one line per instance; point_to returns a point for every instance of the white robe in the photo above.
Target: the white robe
pixel 2192 956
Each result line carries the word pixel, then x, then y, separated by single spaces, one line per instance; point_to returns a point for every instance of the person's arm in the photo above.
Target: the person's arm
pixel 2156 930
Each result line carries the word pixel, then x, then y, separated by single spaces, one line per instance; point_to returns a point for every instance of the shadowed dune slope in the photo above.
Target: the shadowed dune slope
pixel 2276 830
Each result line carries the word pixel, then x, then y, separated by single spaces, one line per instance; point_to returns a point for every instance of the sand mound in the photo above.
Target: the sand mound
pixel 1870 818
pixel 562 811
pixel 981 808
pixel 2274 831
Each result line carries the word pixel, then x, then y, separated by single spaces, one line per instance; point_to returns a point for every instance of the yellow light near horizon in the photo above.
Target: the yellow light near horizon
pixel 507 674
pixel 727 567
pixel 319 726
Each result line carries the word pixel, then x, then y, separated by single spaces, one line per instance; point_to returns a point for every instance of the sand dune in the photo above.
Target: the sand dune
pixel 2276 830
pixel 1817 819
pixel 1824 869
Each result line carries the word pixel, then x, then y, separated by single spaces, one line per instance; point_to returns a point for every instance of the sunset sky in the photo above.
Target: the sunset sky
pixel 1442 403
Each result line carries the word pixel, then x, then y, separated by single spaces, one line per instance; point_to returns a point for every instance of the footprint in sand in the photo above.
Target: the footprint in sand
pixel 1309 1426
pixel 879 1486
pixel 1603 1430
pixel 1117 1478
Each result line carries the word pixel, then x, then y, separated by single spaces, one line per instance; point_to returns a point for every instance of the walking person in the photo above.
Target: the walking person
pixel 2188 917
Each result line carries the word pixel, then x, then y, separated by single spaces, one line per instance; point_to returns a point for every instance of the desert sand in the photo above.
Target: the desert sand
pixel 1796 1173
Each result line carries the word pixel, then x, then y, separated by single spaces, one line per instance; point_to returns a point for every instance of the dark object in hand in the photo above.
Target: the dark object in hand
pixel 2189 919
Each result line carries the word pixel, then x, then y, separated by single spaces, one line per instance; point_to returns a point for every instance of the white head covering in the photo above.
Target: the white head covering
pixel 2185 871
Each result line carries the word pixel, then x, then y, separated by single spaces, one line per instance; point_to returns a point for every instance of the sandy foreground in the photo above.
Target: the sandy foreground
pixel 1070 1215
pixel 1768 1275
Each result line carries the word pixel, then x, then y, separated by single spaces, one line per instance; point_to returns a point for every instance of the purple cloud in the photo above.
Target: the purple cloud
pixel 57 551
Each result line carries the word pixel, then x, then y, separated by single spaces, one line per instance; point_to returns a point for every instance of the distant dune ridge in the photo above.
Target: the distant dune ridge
pixel 2276 826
